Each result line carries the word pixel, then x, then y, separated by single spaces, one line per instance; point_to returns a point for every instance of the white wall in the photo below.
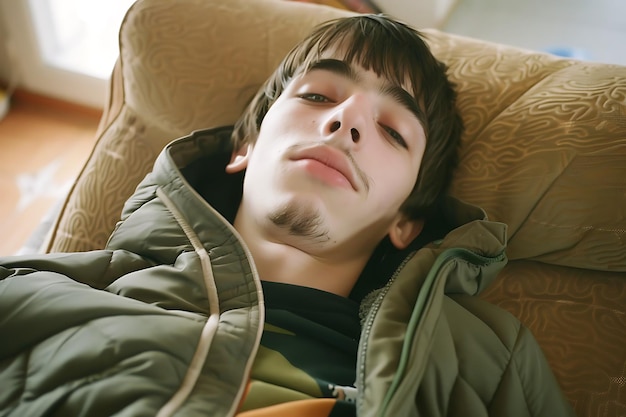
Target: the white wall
pixel 419 13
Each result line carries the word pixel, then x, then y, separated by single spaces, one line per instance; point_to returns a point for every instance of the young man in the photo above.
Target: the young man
pixel 333 146
pixel 288 271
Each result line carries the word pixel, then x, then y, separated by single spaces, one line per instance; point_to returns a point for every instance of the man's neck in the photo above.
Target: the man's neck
pixel 278 261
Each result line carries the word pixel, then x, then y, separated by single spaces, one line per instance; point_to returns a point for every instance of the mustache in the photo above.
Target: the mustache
pixel 365 180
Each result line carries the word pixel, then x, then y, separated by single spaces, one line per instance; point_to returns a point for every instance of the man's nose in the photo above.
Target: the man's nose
pixel 349 119
pixel 354 132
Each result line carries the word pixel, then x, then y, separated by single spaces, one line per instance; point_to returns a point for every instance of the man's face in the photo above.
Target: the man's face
pixel 337 154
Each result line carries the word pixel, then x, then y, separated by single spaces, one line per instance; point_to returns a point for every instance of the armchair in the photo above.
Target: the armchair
pixel 544 151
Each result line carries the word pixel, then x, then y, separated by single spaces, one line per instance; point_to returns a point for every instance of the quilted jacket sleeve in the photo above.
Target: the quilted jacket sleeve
pixel 70 347
pixel 97 269
pixel 30 284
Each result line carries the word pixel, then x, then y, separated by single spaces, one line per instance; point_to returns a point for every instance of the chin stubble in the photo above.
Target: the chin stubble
pixel 300 221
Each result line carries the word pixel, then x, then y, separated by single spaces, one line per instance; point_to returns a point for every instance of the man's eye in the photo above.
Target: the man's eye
pixel 396 137
pixel 317 98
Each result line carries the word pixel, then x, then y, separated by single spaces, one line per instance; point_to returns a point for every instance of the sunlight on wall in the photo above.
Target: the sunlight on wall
pixel 78 35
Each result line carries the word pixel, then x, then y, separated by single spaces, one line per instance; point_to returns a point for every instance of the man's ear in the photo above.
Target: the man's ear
pixel 403 230
pixel 239 159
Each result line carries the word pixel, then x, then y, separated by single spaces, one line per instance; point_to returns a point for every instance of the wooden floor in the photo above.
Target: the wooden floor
pixel 43 145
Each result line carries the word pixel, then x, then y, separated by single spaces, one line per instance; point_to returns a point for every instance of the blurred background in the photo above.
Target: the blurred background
pixel 590 30
pixel 56 57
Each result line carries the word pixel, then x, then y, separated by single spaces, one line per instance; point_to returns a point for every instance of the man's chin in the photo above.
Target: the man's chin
pixel 300 220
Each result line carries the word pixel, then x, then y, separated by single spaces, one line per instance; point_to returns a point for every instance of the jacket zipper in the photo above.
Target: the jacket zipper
pixel 367 328
pixel 432 279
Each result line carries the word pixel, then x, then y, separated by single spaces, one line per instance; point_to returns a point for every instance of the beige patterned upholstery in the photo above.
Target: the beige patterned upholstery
pixel 544 151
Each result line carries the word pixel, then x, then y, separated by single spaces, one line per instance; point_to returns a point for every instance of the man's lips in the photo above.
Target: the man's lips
pixel 329 156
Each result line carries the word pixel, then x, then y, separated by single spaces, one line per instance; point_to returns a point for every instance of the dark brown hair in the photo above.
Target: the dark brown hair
pixel 393 51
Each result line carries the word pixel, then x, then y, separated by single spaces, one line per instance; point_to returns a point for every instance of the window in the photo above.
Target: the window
pixel 67 48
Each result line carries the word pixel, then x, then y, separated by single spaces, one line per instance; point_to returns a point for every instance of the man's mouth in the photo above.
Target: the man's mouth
pixel 329 163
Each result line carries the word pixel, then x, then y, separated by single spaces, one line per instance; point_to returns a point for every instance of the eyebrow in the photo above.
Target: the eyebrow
pixel 397 93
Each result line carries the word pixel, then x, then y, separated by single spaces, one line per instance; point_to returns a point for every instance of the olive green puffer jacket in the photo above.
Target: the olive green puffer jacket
pixel 167 319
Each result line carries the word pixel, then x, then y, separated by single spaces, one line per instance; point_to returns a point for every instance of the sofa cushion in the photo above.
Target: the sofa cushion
pixel 544 150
